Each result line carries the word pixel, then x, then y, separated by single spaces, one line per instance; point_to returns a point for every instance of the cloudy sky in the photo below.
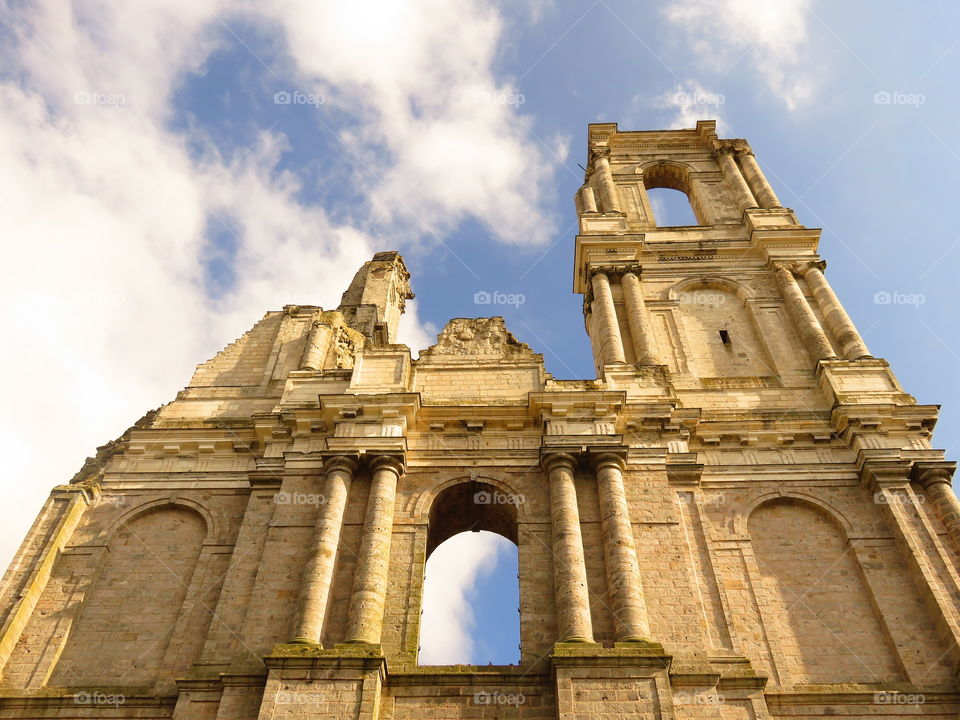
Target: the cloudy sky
pixel 169 170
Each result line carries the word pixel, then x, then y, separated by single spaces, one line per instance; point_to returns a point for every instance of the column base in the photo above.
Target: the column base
pixel 309 681
pixel 629 680
pixel 758 218
pixel 361 646
pixel 645 651
pixel 638 643
pixel 575 647
pixel 304 641
pixel 865 381
pixel 577 640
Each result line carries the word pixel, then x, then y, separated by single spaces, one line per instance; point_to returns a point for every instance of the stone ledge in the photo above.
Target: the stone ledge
pixel 296 655
pixel 627 654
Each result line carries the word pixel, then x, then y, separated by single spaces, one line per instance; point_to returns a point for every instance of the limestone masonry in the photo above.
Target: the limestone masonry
pixel 741 518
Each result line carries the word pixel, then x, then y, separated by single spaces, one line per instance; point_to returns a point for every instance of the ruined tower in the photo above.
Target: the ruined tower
pixel 741 517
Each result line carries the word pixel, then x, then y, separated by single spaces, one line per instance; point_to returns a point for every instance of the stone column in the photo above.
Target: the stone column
pixel 318 572
pixel 611 344
pixel 365 617
pixel 318 343
pixel 569 570
pixel 586 199
pixel 623 569
pixel 638 318
pixel 733 176
pixel 609 199
pixel 757 181
pixel 852 345
pixel 936 484
pixel 806 322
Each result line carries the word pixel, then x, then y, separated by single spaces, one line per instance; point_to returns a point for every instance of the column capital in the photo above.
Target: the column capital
pixel 552 459
pixel 386 461
pixel 599 152
pixel 349 463
pixel 732 145
pixel 807 266
pixel 615 270
pixel 932 473
pixel 602 458
pixel 623 268
pixel 594 270
pixel 790 267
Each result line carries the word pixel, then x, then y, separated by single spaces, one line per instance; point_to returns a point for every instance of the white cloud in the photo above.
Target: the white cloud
pixel 689 102
pixel 768 35
pixel 452 572
pixel 414 332
pixel 106 213
pixel 561 147
pixel 423 87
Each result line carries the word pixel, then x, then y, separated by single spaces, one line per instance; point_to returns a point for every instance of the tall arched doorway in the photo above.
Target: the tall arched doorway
pixel 471 592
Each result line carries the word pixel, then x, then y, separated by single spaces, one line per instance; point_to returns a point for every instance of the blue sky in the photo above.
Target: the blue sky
pixel 160 194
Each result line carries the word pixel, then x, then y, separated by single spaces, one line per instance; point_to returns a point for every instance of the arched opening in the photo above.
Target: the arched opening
pixel 670 193
pixel 671 208
pixel 471 591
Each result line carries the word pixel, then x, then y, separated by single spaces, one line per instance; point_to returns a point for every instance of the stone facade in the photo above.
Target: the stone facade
pixel 741 518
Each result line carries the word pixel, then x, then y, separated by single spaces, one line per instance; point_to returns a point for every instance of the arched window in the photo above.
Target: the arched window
pixel 471 597
pixel 671 208
pixel 670 193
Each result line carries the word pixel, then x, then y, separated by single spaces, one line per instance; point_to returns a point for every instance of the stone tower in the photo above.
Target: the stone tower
pixel 741 518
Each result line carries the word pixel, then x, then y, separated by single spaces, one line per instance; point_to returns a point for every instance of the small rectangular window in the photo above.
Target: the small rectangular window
pixel 725 337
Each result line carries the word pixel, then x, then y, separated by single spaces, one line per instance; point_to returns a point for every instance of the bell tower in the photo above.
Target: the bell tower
pixel 738 299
